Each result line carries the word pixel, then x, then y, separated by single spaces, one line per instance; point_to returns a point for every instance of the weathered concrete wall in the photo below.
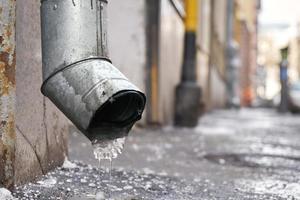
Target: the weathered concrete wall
pixel 203 43
pixel 170 60
pixel 7 91
pixel 218 65
pixel 41 140
pixel 211 60
pixel 210 78
pixel 127 38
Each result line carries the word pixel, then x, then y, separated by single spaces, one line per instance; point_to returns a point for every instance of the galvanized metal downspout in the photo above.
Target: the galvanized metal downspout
pixel 78 75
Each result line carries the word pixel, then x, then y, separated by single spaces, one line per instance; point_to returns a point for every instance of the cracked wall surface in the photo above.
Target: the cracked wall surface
pixel 41 130
pixel 7 91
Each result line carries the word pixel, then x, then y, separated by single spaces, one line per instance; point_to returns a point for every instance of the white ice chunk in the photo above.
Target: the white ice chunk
pixel 48 183
pixel 68 165
pixel 100 196
pixel 6 194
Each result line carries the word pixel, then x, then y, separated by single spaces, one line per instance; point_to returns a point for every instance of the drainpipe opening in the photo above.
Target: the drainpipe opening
pixel 120 110
pixel 116 116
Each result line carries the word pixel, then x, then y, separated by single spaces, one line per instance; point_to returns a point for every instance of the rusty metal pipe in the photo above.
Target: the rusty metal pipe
pixel 77 72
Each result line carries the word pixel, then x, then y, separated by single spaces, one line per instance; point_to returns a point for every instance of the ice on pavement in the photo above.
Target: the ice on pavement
pixel 68 164
pixel 48 183
pixel 217 130
pixel 100 196
pixel 274 187
pixel 6 194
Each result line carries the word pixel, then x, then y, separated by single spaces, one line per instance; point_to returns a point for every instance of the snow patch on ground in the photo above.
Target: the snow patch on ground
pixel 68 165
pixel 217 130
pixel 6 194
pixel 148 171
pixel 48 183
pixel 281 188
pixel 100 196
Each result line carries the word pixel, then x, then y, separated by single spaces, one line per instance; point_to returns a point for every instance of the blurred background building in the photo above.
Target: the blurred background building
pixel 275 32
pixel 154 39
pixel 151 51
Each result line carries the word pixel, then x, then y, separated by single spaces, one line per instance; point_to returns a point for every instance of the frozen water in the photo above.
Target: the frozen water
pixel 48 183
pixel 100 196
pixel 217 130
pixel 68 165
pixel 279 188
pixel 148 171
pixel 92 185
pixel 83 180
pixel 127 187
pixel 108 149
pixel 6 194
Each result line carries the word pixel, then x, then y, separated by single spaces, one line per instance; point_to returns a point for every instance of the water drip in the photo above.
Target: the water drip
pixel 107 149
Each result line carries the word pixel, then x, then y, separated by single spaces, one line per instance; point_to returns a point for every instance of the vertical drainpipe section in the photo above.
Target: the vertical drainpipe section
pixel 7 91
pixel 211 54
pixel 153 16
pixel 188 93
pixel 232 59
pixel 78 76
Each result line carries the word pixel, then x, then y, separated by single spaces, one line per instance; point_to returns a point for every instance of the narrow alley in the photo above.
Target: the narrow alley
pixel 149 99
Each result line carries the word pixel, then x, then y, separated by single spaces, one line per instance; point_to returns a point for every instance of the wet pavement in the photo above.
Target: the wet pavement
pixel 246 154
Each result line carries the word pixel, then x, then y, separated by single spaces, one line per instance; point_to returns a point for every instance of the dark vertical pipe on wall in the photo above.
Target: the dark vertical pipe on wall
pixel 229 20
pixel 152 65
pixel 188 93
pixel 232 59
pixel 211 52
